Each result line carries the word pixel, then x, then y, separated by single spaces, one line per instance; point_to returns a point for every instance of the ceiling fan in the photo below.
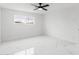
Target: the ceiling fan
pixel 41 6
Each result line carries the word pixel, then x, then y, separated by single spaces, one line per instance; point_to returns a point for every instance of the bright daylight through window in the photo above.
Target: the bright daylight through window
pixel 24 19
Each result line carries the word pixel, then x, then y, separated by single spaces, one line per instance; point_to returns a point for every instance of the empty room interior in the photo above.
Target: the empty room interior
pixel 39 28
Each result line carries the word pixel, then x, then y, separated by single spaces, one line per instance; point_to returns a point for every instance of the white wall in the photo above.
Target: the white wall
pixel 13 31
pixel 0 24
pixel 63 23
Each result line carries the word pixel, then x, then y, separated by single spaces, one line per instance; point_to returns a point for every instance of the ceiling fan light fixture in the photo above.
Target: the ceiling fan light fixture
pixel 40 9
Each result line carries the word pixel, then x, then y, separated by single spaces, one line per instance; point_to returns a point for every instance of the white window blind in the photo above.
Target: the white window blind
pixel 24 19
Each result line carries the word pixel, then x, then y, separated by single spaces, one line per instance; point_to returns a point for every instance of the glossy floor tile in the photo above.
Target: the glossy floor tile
pixel 40 45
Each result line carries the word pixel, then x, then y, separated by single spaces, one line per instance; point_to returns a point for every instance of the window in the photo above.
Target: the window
pixel 24 19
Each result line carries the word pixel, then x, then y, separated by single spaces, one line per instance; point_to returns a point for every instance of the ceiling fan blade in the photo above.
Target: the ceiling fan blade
pixel 45 5
pixel 44 9
pixel 35 8
pixel 35 5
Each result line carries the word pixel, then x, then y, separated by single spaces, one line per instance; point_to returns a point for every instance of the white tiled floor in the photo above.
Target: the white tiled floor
pixel 29 51
pixel 40 45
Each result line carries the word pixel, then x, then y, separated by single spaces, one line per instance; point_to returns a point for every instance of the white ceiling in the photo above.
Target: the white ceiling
pixel 29 8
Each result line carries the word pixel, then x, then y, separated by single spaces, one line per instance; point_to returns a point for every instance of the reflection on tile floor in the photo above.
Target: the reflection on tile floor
pixel 40 45
pixel 29 51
